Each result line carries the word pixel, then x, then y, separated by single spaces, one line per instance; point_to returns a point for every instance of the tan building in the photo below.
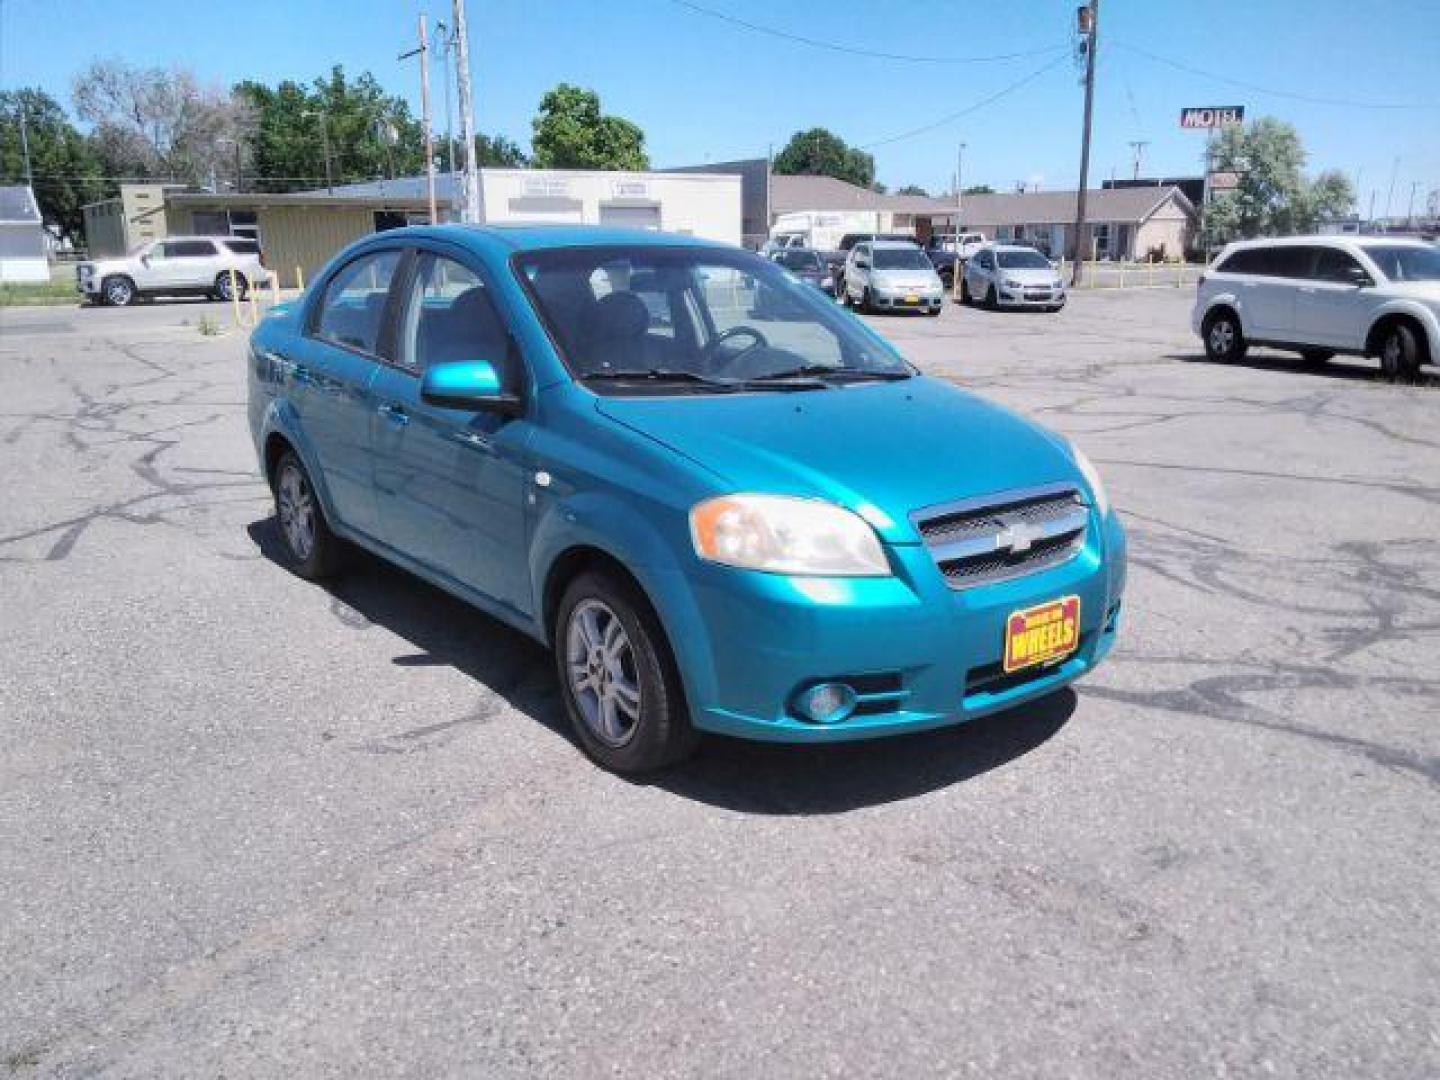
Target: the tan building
pixel 137 216
pixel 300 232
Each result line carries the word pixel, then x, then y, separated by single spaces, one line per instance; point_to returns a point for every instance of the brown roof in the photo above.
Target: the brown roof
pixel 794 193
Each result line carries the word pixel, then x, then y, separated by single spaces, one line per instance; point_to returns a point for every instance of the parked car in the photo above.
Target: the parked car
pixel 947 250
pixel 175 266
pixel 841 254
pixel 891 275
pixel 1322 295
pixel 1011 275
pixel 809 266
pixel 785 533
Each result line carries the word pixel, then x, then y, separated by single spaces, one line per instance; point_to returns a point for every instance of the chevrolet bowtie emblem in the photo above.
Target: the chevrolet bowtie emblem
pixel 1017 538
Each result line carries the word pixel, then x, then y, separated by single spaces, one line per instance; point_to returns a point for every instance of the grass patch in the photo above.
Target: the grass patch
pixel 15 294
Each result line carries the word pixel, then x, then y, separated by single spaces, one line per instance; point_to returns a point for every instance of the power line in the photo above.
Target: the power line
pixel 1255 88
pixel 952 117
pixel 851 50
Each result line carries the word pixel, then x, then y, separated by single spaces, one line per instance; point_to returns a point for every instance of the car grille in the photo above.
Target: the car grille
pixel 981 541
pixel 1037 294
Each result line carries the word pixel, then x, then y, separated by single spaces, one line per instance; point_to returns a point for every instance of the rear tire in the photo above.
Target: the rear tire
pixel 1224 340
pixel 618 677
pixel 118 291
pixel 1401 353
pixel 965 297
pixel 222 286
pixel 313 551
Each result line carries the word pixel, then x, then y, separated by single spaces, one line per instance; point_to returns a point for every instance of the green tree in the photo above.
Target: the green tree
pixel 500 151
pixel 65 168
pixel 913 189
pixel 368 132
pixel 570 132
pixel 979 189
pixel 1272 196
pixel 819 152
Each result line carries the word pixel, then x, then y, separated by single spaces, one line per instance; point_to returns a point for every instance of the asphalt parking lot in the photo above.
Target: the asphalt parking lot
pixel 249 826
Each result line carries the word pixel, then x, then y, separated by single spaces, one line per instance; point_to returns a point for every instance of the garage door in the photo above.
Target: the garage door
pixel 630 217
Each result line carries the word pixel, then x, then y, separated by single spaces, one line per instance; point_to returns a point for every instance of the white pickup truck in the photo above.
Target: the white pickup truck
pixel 175 266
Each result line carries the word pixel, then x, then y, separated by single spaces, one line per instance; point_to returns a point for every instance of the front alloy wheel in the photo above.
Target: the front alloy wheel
pixel 603 678
pixel 1224 341
pixel 618 677
pixel 118 291
pixel 1400 353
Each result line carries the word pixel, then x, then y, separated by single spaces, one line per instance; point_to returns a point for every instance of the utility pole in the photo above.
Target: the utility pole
pixel 1088 24
pixel 1137 149
pixel 1390 195
pixel 474 212
pixel 1410 211
pixel 447 43
pixel 423 51
pixel 319 114
pixel 25 148
pixel 959 193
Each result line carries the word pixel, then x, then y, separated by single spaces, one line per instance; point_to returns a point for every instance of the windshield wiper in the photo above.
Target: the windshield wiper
pixel 669 375
pixel 821 370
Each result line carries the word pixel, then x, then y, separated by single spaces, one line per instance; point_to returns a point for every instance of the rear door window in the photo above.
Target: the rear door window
pixel 190 249
pixel 352 311
pixel 1332 264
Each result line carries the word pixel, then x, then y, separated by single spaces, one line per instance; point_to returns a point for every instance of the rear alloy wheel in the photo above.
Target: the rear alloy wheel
pixel 118 291
pixel 1316 357
pixel 313 550
pixel 1224 341
pixel 1400 353
pixel 620 684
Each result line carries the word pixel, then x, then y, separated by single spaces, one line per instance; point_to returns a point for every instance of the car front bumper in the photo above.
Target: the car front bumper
pixel 1028 296
pixel 919 653
pixel 911 299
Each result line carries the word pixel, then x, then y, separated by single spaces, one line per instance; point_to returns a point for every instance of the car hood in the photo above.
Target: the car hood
pixel 903 279
pixel 896 447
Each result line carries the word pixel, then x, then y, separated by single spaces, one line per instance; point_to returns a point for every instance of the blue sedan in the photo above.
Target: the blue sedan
pixel 775 529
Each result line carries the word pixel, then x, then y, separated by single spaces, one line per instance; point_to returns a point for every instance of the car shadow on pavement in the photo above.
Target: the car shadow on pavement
pixel 749 777
pixel 1344 368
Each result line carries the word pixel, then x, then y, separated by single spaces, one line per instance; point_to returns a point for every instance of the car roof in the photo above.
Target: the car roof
pixel 520 237
pixel 893 244
pixel 1328 238
pixel 994 246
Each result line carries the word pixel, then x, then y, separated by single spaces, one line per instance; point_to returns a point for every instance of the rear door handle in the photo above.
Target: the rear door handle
pixel 396 414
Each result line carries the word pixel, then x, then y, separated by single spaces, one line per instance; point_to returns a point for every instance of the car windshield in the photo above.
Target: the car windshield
pixel 1402 262
pixel 1022 260
pixel 900 259
pixel 655 319
pixel 800 260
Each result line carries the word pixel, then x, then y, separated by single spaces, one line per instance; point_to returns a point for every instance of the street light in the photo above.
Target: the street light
pixel 325 145
pixel 235 143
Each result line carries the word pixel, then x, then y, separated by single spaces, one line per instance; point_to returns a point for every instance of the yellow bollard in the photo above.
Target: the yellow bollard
pixel 234 295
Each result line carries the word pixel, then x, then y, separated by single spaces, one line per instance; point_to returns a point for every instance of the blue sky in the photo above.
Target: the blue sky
pixel 704 89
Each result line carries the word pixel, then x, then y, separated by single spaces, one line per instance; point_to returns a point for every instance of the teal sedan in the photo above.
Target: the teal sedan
pixel 724 502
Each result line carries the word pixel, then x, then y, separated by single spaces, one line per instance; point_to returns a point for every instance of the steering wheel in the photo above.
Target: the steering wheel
pixel 712 350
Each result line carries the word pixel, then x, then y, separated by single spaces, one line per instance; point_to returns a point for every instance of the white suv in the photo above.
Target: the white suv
pixel 175 266
pixel 1322 295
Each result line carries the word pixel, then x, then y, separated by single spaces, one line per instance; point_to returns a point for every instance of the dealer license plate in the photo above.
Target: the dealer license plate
pixel 1044 634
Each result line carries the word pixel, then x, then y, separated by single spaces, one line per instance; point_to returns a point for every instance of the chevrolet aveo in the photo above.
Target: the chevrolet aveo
pixel 768 526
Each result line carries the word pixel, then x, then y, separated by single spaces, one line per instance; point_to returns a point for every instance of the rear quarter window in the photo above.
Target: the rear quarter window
pixel 243 247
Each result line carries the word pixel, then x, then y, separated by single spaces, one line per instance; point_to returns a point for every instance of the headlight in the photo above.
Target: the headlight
pixel 786 536
pixel 1092 477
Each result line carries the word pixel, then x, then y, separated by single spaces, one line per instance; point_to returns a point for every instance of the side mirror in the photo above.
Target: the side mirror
pixel 472 384
pixel 145 260
pixel 1357 276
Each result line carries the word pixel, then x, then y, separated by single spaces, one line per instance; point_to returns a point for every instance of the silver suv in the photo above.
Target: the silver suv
pixel 1322 295
pixel 175 266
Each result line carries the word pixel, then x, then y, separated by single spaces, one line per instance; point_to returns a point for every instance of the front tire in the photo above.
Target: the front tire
pixel 992 299
pixel 118 291
pixel 1224 340
pixel 1400 353
pixel 618 677
pixel 965 297
pixel 313 551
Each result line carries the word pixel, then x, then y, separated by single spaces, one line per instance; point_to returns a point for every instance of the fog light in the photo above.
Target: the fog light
pixel 826 703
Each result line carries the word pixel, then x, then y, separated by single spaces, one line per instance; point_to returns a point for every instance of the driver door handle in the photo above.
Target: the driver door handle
pixel 396 414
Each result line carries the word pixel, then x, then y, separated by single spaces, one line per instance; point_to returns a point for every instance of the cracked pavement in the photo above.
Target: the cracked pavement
pixel 249 826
